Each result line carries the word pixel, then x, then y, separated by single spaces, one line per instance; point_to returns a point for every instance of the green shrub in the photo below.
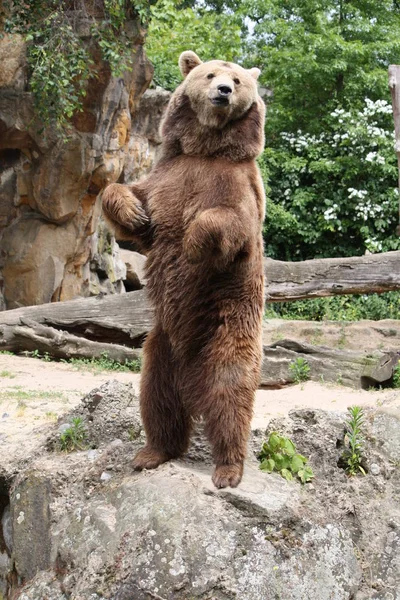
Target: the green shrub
pixel 279 454
pixel 339 308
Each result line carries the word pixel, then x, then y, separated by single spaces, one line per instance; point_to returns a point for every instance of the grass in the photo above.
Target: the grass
pixel 8 374
pixel 104 363
pixel 22 395
pixel 94 365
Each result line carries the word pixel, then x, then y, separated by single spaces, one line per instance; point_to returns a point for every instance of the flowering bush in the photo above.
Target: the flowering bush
pixel 336 192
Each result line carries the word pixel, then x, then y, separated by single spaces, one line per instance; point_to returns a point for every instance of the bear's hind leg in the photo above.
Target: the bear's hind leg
pixel 166 421
pixel 228 414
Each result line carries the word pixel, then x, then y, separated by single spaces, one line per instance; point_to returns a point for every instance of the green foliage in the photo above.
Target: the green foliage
pixel 74 437
pixel 353 439
pixel 299 369
pixel 279 454
pixel 321 54
pixel 174 29
pixel 60 60
pixel 335 193
pixel 396 376
pixel 339 308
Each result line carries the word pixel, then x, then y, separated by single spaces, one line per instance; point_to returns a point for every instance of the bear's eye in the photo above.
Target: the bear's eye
pixel 237 81
pixel 210 75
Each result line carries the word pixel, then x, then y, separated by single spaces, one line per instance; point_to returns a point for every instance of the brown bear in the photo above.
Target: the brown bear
pixel 198 216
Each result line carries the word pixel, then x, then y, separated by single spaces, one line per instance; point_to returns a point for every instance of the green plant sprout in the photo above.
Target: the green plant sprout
pixel 299 370
pixel 75 437
pixel 353 440
pixel 396 376
pixel 279 455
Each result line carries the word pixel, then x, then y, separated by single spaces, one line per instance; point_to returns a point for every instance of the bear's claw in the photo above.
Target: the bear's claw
pixel 227 475
pixel 148 458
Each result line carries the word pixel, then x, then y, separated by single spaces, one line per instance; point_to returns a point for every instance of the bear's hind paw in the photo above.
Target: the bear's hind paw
pixel 227 475
pixel 148 458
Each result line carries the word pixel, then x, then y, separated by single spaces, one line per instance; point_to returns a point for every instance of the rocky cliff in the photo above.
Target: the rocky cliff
pixel 53 243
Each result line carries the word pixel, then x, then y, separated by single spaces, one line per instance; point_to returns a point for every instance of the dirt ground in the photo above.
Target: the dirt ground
pixel 34 393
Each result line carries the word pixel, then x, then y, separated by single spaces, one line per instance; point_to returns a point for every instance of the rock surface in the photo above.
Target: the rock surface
pixel 53 245
pixel 99 531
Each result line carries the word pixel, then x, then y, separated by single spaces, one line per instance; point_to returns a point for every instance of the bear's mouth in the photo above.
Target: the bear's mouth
pixel 221 102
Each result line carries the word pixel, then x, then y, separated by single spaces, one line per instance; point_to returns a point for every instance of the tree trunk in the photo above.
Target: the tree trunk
pixel 394 84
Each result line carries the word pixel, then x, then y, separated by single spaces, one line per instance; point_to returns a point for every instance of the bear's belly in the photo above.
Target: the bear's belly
pixel 192 302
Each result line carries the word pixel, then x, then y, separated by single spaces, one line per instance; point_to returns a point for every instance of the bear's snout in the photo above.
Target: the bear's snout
pixel 221 94
pixel 224 90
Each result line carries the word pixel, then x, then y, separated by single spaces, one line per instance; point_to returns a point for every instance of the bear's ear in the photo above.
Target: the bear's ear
pixel 255 73
pixel 187 61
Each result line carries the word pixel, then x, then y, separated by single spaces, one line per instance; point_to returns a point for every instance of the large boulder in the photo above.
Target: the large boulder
pixel 84 526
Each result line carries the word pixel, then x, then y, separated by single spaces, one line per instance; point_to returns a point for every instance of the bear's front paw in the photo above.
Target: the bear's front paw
pixel 122 206
pixel 227 475
pixel 198 246
pixel 148 458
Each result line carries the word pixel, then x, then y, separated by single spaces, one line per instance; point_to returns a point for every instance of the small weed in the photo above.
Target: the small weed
pixel 300 370
pixel 279 454
pixel 396 376
pixel 7 352
pixel 36 354
pixel 21 407
pixel 353 440
pixel 342 337
pixel 133 434
pixel 7 374
pixel 52 416
pixel 75 437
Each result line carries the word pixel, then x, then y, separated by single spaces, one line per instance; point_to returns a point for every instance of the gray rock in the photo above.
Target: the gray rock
pixel 374 469
pixel 135 269
pixel 169 534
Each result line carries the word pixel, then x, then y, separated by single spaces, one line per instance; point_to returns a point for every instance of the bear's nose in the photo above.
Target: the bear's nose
pixel 224 90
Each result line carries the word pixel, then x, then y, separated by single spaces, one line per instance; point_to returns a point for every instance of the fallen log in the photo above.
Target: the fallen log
pixel 287 281
pixel 30 336
pixel 123 319
pixel 91 326
pixel 345 367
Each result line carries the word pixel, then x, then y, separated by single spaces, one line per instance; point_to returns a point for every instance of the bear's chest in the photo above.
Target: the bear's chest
pixel 191 184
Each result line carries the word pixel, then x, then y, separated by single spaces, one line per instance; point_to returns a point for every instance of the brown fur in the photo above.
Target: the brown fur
pixel 199 216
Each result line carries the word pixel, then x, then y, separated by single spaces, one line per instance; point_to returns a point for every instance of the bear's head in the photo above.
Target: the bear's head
pixel 216 111
pixel 218 91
